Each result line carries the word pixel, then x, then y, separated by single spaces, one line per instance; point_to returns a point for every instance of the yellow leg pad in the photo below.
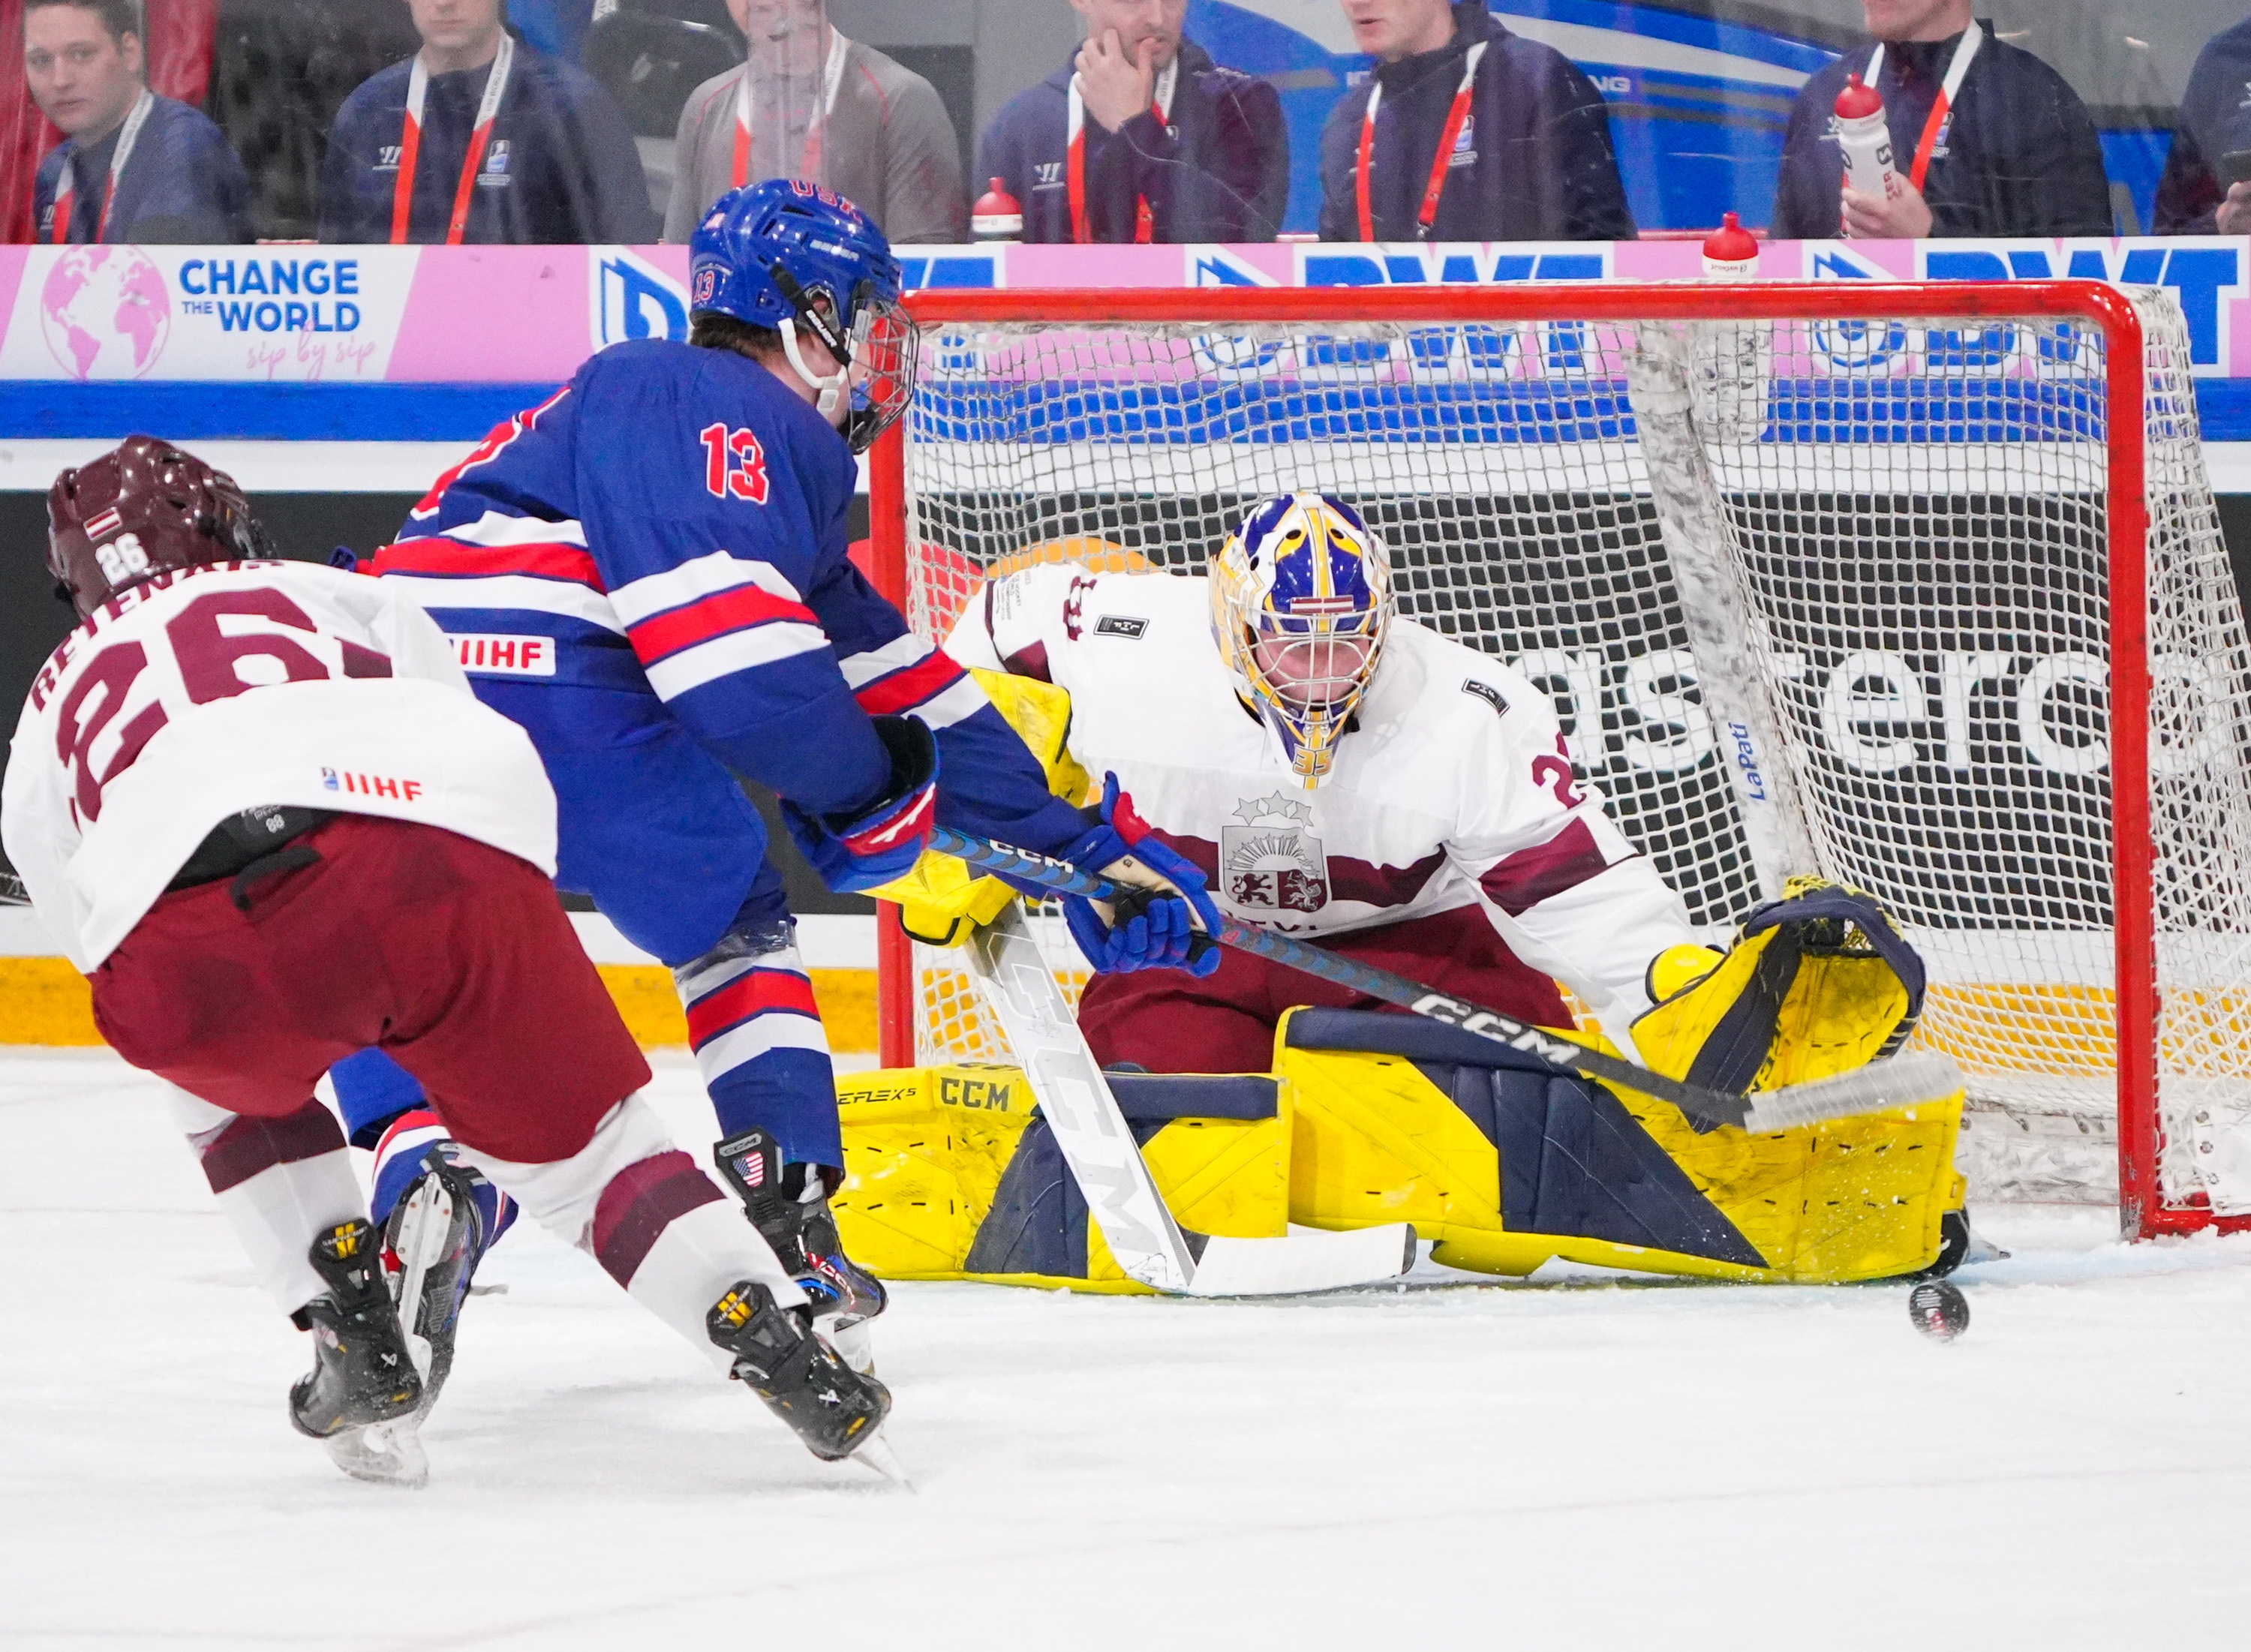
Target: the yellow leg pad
pixel 926 1150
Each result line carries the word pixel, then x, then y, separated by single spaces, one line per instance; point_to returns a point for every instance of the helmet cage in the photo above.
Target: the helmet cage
pixel 1302 643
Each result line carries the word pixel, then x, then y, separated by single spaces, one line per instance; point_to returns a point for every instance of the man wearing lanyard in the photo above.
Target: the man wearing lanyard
pixel 474 139
pixel 810 104
pixel 1466 132
pixel 1986 138
pixel 1142 138
pixel 2207 187
pixel 133 166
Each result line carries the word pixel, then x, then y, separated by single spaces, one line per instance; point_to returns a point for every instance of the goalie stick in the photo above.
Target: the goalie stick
pixel 1121 1196
pixel 1905 1080
pixel 12 892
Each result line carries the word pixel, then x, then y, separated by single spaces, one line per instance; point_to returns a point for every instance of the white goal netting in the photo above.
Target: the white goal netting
pixel 1878 546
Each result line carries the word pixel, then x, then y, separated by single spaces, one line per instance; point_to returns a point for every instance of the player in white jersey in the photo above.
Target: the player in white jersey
pixel 1337 771
pixel 260 807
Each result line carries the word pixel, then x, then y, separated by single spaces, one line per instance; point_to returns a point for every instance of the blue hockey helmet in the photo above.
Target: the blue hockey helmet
pixel 798 257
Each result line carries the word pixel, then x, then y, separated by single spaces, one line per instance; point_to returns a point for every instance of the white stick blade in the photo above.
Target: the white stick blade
pixel 1306 1260
pixel 1904 1080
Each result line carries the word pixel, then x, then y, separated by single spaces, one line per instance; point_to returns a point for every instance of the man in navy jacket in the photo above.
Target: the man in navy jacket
pixel 2195 197
pixel 132 166
pixel 2016 153
pixel 556 164
pixel 1527 151
pixel 1172 147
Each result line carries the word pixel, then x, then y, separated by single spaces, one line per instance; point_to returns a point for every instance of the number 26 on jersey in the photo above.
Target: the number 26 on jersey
pixel 734 466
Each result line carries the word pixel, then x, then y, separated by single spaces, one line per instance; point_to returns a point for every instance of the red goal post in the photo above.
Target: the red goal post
pixel 2089 328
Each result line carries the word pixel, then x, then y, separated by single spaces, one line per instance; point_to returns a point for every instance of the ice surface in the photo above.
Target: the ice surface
pixel 1560 1464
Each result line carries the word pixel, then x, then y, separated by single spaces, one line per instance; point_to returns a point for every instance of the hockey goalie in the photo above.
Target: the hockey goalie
pixel 1342 773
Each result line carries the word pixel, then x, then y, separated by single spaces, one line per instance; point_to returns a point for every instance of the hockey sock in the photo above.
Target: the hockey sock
pixel 399 1165
pixel 282 1183
pixel 371 1091
pixel 759 1043
pixel 657 1223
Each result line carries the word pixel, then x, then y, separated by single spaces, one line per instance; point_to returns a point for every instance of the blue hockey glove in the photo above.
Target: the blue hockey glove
pixel 866 848
pixel 1168 919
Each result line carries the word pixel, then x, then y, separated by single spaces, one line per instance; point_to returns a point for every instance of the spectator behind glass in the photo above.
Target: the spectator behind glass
pixel 511 146
pixel 557 27
pixel 1175 149
pixel 2016 154
pixel 132 166
pixel 2201 193
pixel 822 107
pixel 1526 156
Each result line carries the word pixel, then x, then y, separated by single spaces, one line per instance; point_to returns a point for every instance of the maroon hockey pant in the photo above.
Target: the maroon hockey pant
pixel 452 955
pixel 1169 1021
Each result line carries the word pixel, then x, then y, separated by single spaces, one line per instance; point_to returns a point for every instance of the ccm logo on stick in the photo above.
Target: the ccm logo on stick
pixel 506 656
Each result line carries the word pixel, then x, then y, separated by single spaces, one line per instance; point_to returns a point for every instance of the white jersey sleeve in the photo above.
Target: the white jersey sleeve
pixel 1017 622
pixel 1563 886
pixel 200 694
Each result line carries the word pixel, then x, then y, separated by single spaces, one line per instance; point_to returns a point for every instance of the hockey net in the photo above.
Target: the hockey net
pixel 1930 536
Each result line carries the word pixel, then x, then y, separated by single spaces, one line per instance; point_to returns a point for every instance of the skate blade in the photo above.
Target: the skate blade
pixel 876 1453
pixel 385 1454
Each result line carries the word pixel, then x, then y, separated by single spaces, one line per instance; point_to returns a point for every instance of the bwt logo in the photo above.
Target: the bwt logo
pixel 631 298
pixel 2206 277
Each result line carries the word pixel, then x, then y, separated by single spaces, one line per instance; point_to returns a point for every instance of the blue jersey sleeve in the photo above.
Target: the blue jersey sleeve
pixel 711 497
pixel 989 784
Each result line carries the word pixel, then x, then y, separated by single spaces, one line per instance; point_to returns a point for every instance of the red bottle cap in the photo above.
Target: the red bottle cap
pixel 1857 100
pixel 997 203
pixel 1731 242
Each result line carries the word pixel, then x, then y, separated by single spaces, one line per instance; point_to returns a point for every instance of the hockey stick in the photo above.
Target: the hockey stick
pixel 1121 1196
pixel 12 892
pixel 1907 1080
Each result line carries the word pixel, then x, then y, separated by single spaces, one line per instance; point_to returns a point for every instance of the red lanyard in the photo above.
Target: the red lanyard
pixel 1441 165
pixel 1940 110
pixel 410 146
pixel 66 189
pixel 1144 221
pixel 816 140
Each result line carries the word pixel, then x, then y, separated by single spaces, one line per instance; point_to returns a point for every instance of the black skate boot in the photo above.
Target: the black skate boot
pixel 361 1396
pixel 433 1239
pixel 831 1407
pixel 803 1233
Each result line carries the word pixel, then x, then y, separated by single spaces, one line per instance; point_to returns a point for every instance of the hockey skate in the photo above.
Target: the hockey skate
pixel 837 1411
pixel 361 1397
pixel 803 1233
pixel 432 1240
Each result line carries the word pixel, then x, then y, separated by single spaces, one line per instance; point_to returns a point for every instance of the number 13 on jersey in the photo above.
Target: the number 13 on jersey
pixel 735 465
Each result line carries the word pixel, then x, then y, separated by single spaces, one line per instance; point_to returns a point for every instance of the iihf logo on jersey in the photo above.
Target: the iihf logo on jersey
pixel 1272 862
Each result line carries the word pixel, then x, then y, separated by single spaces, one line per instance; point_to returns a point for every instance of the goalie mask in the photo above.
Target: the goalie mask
pixel 140 509
pixel 1300 602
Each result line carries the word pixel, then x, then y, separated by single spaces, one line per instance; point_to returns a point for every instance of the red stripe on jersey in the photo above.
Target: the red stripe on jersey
pixel 905 689
pixel 746 996
pixel 439 554
pixel 733 609
pixel 1530 876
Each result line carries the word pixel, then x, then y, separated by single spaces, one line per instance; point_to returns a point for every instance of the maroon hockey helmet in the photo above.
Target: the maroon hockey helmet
pixel 143 507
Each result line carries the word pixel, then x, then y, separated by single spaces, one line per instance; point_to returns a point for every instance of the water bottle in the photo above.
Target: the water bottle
pixel 1732 360
pixel 998 215
pixel 1865 138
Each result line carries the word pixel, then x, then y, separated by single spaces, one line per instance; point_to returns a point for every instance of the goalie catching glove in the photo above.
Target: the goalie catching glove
pixel 863 848
pixel 1166 921
pixel 1817 983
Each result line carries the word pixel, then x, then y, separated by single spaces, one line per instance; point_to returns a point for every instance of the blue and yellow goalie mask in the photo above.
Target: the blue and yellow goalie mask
pixel 1300 602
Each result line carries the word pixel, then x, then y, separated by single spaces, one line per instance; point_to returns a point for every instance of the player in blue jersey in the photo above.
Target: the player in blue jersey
pixel 648 571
